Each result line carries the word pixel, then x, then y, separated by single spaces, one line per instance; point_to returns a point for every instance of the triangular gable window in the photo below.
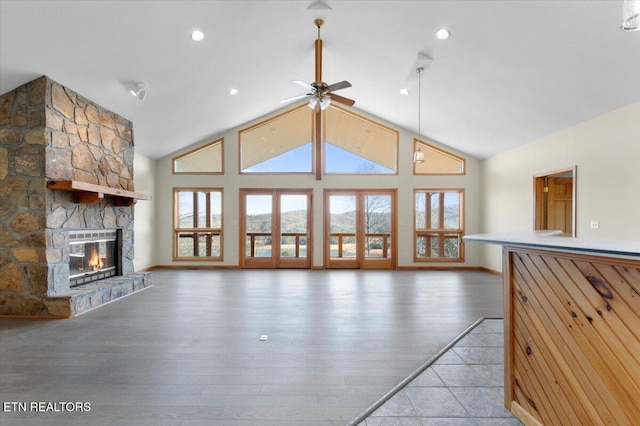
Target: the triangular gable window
pixel 279 145
pixel 375 145
pixel 437 161
pixel 204 160
pixel 352 144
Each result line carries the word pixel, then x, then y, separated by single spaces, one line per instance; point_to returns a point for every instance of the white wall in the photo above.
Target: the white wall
pixel 144 213
pixel 606 151
pixel 232 182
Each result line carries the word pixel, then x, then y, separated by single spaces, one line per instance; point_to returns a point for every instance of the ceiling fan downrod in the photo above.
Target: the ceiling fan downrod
pixel 319 23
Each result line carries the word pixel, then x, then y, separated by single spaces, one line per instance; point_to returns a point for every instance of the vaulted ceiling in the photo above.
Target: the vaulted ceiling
pixel 511 72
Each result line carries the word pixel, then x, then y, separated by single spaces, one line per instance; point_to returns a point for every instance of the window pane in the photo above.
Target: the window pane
pixel 293 213
pixel 378 247
pixel 260 244
pixel 216 209
pixel 201 221
pixel 339 160
pixel 354 144
pixel 452 210
pixel 343 213
pixel 186 218
pixel 289 245
pixel 452 246
pixel 438 161
pixel 198 244
pixel 207 159
pixel 438 243
pixel 343 246
pixel 421 246
pixel 342 226
pixel 377 211
pixel 258 213
pixel 435 210
pixel 201 211
pixel 421 213
pixel 279 145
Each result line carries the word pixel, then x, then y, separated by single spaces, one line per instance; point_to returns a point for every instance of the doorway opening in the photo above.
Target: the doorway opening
pixel 555 201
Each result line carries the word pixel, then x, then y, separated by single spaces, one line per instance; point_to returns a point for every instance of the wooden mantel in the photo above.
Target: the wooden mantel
pixel 91 193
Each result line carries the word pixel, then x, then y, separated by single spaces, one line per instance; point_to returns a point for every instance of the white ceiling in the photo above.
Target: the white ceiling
pixel 512 71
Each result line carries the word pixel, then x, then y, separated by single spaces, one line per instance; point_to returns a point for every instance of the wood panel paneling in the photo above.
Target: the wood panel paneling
pixel 574 338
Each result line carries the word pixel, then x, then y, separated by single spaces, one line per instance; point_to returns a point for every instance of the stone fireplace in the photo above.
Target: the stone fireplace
pixel 66 190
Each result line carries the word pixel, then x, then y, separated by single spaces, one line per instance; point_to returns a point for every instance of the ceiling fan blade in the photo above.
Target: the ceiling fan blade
pixel 341 99
pixel 295 98
pixel 337 86
pixel 305 85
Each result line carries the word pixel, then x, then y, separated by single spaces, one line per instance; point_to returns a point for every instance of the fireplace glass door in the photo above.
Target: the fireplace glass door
pixel 92 256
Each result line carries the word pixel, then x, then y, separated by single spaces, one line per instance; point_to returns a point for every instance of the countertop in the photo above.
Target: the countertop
pixel 552 240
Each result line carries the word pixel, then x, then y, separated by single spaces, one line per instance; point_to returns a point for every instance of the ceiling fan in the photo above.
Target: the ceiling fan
pixel 320 93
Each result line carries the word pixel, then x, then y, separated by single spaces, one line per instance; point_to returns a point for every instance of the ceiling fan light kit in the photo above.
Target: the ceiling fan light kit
pixel 320 93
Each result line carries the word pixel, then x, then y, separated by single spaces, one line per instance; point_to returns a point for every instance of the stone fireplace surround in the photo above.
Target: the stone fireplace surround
pixel 50 133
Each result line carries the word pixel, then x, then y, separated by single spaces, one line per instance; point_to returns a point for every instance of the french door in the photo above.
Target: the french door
pixel 274 228
pixel 360 229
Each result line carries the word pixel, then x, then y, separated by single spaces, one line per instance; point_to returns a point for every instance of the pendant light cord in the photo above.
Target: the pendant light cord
pixel 419 71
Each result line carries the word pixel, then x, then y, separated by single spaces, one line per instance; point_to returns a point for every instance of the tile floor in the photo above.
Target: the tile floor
pixel 464 386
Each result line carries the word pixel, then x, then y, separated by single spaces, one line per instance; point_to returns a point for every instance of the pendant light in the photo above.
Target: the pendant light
pixel 418 154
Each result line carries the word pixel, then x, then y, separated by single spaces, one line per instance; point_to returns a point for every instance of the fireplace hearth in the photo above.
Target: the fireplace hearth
pixel 93 255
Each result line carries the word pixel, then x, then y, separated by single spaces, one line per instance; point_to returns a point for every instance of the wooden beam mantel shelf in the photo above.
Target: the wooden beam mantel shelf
pixel 91 193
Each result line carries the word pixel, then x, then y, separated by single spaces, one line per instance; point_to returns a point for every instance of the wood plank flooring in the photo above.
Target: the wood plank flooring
pixel 187 351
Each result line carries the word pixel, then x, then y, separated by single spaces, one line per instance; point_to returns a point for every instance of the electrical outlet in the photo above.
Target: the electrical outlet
pixel 595 224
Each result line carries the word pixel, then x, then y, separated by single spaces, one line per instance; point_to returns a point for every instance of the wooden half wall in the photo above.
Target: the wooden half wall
pixel 572 338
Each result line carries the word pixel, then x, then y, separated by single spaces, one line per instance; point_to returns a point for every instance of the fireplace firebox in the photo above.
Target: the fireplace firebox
pixel 93 255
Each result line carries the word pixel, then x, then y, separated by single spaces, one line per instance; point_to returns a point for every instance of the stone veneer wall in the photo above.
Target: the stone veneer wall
pixel 49 132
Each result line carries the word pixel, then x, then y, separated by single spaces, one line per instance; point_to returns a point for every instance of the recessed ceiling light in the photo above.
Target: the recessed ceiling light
pixel 233 92
pixel 442 34
pixel 404 91
pixel 197 35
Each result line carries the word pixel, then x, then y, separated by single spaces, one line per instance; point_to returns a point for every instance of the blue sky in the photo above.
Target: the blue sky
pixel 299 160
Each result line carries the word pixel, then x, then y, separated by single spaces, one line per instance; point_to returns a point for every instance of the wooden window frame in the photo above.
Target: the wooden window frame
pixel 200 148
pixel 318 132
pixel 367 120
pixel 208 229
pixel 440 233
pixel 264 123
pixel 420 143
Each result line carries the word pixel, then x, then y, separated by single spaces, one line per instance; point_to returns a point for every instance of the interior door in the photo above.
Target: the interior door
pixel 555 207
pixel 275 228
pixel 560 204
pixel 360 229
